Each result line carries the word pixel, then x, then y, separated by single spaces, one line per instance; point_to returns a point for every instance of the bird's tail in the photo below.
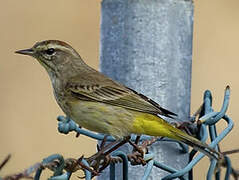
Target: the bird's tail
pixel 156 126
pixel 195 143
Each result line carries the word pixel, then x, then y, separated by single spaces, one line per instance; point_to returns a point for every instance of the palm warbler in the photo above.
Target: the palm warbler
pixel 100 104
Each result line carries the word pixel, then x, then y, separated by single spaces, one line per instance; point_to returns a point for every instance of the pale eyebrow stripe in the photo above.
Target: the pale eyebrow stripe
pixel 57 46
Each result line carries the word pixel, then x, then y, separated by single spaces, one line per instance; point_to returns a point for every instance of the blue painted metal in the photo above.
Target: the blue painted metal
pixel 148 170
pixel 112 171
pixel 229 168
pixel 211 169
pixel 87 173
pixel 58 170
pixel 124 157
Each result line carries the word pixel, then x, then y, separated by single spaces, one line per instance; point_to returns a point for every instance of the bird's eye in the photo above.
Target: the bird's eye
pixel 50 51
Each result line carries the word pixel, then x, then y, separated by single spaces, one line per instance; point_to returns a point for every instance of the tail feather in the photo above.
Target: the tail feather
pixel 156 126
pixel 196 144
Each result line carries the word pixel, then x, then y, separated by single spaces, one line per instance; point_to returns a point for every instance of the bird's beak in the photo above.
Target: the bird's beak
pixel 29 52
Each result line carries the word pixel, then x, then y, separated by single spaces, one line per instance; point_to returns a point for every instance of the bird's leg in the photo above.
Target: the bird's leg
pixel 101 149
pixel 121 143
pixel 137 148
pixel 103 142
pixel 96 160
pixel 107 153
pixel 138 153
pixel 137 139
pixel 137 157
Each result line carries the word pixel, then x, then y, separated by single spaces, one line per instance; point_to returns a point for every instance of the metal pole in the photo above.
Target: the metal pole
pixel 147 45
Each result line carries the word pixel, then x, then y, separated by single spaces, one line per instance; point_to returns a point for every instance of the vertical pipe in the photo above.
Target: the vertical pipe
pixel 147 45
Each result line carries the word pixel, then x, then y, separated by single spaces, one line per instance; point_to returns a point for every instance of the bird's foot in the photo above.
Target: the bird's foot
pixel 101 159
pixel 121 143
pixel 139 150
pixel 136 158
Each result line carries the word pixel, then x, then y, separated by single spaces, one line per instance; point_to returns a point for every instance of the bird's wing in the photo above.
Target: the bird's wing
pixel 105 90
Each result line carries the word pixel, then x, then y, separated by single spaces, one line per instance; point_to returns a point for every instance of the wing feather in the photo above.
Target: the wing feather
pixel 115 94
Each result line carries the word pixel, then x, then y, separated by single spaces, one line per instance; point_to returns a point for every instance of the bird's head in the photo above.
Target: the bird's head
pixel 54 55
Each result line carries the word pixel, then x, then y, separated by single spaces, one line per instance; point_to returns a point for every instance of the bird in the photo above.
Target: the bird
pixel 100 104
